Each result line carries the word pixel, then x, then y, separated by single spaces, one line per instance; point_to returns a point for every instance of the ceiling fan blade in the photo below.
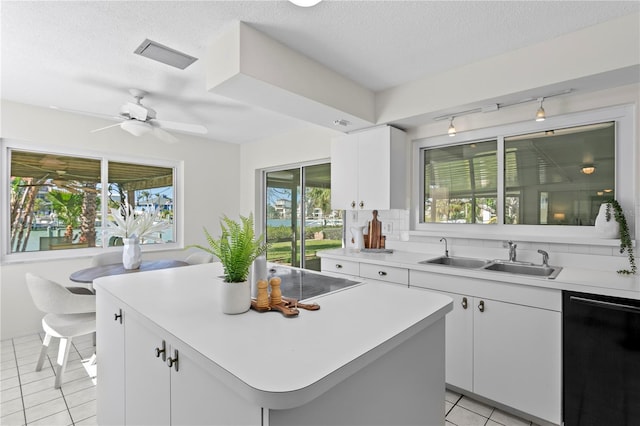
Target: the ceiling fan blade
pixel 91 114
pixel 183 127
pixel 107 127
pixel 164 136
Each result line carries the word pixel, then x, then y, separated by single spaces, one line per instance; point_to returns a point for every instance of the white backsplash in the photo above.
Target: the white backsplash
pixel 588 256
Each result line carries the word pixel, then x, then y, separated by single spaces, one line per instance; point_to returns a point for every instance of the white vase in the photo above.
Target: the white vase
pixel 131 253
pixel 610 229
pixel 235 298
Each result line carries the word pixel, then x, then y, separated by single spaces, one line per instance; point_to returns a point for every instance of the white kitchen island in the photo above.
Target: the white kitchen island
pixel 372 355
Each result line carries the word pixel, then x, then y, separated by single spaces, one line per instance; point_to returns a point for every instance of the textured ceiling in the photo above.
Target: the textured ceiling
pixel 78 55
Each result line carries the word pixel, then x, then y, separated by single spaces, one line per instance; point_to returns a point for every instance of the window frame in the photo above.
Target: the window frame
pixel 625 175
pixel 8 145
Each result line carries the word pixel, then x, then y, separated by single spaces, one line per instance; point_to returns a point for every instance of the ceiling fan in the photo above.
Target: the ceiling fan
pixel 138 120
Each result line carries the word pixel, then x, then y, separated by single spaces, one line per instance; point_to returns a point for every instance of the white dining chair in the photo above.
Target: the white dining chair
pixel 197 258
pixel 109 258
pixel 68 315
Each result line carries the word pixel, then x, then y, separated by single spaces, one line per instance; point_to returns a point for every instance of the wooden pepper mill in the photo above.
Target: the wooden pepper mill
pixel 262 298
pixel 276 293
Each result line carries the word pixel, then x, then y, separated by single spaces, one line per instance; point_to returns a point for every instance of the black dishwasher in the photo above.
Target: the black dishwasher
pixel 601 360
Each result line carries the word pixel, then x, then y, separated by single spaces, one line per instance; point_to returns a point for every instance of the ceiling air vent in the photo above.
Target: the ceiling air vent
pixel 158 52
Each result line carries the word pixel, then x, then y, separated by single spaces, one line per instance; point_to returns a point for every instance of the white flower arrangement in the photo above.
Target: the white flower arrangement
pixel 127 224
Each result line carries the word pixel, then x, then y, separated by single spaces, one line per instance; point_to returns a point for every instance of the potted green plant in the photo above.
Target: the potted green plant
pixel 236 248
pixel 626 244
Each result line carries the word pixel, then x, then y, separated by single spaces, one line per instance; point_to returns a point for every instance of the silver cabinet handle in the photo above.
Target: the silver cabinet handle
pixel 118 316
pixel 382 273
pixel 481 306
pixel 338 266
pixel 162 351
pixel 464 303
pixel 173 362
pixel 353 204
pixel 361 204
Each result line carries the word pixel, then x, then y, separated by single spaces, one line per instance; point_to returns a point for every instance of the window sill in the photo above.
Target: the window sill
pixel 587 240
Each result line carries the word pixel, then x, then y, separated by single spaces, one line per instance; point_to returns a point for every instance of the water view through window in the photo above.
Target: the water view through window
pixel 299 218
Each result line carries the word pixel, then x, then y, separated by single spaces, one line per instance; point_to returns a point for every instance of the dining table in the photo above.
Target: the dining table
pixel 87 275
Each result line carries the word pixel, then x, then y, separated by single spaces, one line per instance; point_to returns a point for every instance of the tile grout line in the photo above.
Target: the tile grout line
pixel 15 358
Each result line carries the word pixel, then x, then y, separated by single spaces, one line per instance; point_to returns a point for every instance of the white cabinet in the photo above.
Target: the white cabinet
pixel 503 341
pixel 517 357
pixel 390 274
pixel 110 356
pixel 342 267
pixel 368 170
pixel 148 379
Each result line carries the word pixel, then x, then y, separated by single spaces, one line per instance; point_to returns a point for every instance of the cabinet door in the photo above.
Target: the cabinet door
pixel 374 169
pixel 110 356
pixel 344 172
pixel 517 357
pixel 459 342
pixel 147 376
pixel 197 398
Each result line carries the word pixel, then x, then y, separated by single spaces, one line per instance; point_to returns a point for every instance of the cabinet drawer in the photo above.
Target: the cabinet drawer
pixel 385 273
pixel 339 266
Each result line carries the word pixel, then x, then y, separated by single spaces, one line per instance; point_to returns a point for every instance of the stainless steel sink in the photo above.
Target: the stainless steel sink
pixel 459 262
pixel 523 269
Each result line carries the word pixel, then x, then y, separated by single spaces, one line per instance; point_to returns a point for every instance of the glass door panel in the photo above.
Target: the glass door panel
pixel 299 205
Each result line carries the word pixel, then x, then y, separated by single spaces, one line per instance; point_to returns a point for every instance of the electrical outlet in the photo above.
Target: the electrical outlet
pixel 387 227
pixel 354 216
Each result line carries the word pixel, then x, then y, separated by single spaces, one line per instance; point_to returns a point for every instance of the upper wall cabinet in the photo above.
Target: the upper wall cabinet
pixel 368 170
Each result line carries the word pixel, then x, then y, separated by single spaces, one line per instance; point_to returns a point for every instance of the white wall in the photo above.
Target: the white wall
pixel 210 188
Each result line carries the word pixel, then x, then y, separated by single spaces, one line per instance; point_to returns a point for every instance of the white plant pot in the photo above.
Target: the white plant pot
pixel 131 253
pixel 610 229
pixel 235 298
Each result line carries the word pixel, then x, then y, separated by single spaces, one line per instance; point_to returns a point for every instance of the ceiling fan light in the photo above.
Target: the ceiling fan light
pixel 135 127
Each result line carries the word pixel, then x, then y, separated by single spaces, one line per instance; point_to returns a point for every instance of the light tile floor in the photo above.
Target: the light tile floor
pixel 29 398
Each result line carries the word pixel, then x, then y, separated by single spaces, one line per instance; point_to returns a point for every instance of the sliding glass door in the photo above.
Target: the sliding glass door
pixel 299 219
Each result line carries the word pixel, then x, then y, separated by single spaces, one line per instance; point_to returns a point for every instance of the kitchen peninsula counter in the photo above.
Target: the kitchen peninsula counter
pixel 373 354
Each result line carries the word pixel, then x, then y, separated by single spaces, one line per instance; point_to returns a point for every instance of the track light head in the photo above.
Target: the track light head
pixel 452 128
pixel 540 114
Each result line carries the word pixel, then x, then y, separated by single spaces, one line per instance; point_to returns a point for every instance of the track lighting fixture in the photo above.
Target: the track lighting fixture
pixel 540 115
pixel 452 128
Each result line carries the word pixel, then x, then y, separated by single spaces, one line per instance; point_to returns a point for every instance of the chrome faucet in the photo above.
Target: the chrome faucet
pixel 446 247
pixel 512 251
pixel 545 258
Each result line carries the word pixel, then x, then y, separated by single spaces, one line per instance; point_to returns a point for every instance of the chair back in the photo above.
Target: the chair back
pixel 196 258
pixel 54 298
pixel 109 258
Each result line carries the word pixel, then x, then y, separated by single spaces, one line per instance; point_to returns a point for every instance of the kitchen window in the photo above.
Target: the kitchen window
pixel 61 201
pixel 530 176
pixel 460 183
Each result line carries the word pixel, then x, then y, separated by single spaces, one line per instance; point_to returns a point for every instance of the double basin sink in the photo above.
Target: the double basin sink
pixel 519 268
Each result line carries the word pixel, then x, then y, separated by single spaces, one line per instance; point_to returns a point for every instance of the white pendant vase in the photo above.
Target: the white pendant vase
pixel 610 229
pixel 131 253
pixel 235 298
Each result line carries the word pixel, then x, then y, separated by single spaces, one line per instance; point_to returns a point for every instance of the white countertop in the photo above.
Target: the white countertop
pixel 586 280
pixel 274 361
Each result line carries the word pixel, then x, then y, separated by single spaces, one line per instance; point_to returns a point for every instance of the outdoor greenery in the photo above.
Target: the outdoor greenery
pixel 281 252
pixel 236 247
